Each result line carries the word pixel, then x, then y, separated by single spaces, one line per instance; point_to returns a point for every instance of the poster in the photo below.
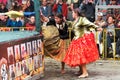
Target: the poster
pixel 25 67
pixel 17 52
pixel 12 72
pixel 39 44
pixel 18 69
pixel 3 69
pixel 10 55
pixel 34 46
pixel 36 62
pixel 29 48
pixel 17 60
pixel 23 50
pixel 30 63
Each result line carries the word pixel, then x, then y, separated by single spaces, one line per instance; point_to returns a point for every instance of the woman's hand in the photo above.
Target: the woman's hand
pixel 99 29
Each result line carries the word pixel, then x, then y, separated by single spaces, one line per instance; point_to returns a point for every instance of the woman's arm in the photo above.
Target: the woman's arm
pixel 87 23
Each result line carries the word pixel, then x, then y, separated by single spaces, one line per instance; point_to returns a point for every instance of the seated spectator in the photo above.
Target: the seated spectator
pixel 16 6
pixel 15 23
pixel 30 25
pixel 29 6
pixel 3 8
pixel 3 21
pixel 3 2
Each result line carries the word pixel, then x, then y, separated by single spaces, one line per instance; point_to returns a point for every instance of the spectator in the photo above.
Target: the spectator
pixel 3 8
pixel 101 2
pixel 76 3
pixel 118 41
pixel 113 2
pixel 101 23
pixel 29 6
pixel 16 6
pixel 45 9
pixel 117 14
pixel 70 8
pixel 110 33
pixel 31 23
pixel 60 7
pixel 14 22
pixel 3 1
pixel 3 21
pixel 89 10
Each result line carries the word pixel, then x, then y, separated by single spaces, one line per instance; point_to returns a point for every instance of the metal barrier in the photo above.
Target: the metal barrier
pixel 102 45
pixel 103 48
pixel 16 28
pixel 106 51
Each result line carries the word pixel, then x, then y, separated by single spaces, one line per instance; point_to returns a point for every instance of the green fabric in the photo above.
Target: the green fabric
pixel 81 26
pixel 14 35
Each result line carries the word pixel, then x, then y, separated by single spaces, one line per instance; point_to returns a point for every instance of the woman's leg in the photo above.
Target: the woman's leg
pixel 84 71
pixel 79 72
pixel 63 67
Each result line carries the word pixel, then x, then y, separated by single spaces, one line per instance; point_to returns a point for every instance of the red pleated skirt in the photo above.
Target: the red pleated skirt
pixel 82 51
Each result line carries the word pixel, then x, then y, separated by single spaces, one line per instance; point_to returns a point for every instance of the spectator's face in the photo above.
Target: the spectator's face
pixel 44 2
pixel 118 24
pixel 28 3
pixel 60 1
pixel 99 17
pixel 58 20
pixel 74 15
pixel 3 6
pixel 113 2
pixel 110 20
pixel 32 19
pixel 2 17
pixel 90 1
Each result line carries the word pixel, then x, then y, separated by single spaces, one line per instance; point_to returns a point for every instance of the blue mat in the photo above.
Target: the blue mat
pixel 14 35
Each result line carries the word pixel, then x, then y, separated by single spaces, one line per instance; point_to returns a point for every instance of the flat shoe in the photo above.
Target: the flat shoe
pixel 83 76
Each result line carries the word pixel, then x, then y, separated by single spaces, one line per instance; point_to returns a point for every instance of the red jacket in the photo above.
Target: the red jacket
pixel 64 9
pixel 30 26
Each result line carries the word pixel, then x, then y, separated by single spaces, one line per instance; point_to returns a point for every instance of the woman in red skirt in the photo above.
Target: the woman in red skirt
pixel 83 48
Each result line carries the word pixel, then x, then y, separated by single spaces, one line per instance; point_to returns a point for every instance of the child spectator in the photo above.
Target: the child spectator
pixel 14 22
pixel 31 23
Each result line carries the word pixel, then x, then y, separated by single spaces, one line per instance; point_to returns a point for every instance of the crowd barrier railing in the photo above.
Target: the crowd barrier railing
pixel 104 51
pixel 110 43
pixel 103 43
pixel 16 28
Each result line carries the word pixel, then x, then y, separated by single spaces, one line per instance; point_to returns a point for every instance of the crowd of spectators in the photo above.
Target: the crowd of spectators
pixel 106 18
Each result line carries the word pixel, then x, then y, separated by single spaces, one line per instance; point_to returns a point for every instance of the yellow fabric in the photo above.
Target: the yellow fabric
pixel 14 14
pixel 53 45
